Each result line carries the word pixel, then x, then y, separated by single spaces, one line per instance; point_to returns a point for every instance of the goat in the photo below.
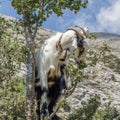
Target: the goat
pixel 51 59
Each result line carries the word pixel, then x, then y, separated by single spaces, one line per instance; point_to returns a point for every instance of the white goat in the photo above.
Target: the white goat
pixel 50 61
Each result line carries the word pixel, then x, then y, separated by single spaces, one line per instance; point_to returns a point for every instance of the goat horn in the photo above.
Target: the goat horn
pixel 79 34
pixel 82 29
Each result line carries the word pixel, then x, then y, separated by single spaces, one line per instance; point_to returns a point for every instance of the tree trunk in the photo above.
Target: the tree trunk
pixel 30 34
pixel 30 79
pixel 30 90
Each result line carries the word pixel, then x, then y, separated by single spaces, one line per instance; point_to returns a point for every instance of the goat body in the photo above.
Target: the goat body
pixel 50 75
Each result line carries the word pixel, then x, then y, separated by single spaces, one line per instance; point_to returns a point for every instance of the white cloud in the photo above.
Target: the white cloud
pixel 83 20
pixel 102 17
pixel 86 17
pixel 99 16
pixel 109 17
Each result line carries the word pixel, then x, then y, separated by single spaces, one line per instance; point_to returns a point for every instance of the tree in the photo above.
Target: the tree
pixel 34 13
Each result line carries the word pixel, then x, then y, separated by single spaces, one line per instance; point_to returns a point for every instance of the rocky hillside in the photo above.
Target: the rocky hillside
pixel 102 74
pixel 102 77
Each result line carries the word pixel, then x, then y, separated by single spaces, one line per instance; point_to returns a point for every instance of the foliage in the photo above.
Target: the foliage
pixel 40 10
pixel 11 51
pixel 93 36
pixel 75 71
pixel 90 111
pixel 98 53
pixel 35 12
pixel 113 62
pixel 108 113
pixel 64 103
pixel 87 110
pixel 12 99
pixel 12 88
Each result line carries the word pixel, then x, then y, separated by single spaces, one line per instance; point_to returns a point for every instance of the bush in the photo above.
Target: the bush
pixel 12 100
pixel 98 53
pixel 90 111
pixel 109 113
pixel 87 111
pixel 12 88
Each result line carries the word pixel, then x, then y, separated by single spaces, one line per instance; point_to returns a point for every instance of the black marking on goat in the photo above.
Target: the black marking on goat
pixel 45 90
pixel 38 92
pixel 62 81
pixel 54 92
pixel 80 44
pixel 44 109
pixel 55 85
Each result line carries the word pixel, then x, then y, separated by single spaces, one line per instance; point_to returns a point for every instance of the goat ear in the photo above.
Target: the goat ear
pixel 58 44
pixel 63 55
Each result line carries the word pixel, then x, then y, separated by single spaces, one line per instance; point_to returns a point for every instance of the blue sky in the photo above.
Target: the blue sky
pixel 99 16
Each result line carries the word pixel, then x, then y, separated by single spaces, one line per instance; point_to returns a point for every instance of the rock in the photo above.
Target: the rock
pixel 101 79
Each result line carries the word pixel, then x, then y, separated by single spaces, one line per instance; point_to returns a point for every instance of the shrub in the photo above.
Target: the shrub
pixel 108 113
pixel 87 111
pixel 12 88
pixel 12 100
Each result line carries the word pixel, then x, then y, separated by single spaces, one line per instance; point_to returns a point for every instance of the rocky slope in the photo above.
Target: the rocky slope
pixel 102 78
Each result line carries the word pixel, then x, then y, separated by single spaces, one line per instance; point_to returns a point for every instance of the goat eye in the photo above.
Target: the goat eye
pixel 80 43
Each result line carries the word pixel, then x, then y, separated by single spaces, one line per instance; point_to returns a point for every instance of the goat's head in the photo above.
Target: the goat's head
pixel 73 42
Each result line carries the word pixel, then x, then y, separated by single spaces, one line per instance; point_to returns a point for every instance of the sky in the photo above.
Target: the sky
pixel 99 16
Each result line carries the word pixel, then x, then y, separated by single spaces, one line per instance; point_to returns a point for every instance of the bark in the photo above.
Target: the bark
pixel 30 90
pixel 30 79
